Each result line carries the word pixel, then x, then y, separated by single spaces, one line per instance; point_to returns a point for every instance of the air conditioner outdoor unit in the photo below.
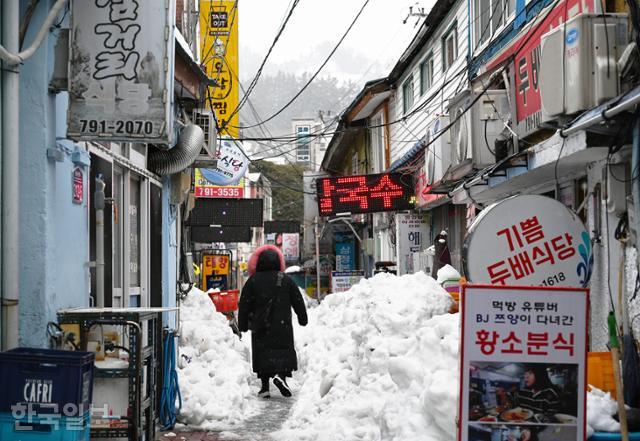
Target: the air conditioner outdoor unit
pixel 578 63
pixel 473 129
pixel 204 118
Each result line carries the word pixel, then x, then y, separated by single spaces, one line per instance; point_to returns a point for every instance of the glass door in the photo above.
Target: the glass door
pixel 118 236
pixel 135 240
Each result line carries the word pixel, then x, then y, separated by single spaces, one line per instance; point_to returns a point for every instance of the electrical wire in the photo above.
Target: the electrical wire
pixel 317 72
pixel 256 77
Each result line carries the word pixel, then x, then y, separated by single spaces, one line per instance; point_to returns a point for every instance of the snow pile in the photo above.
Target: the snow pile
pixel 600 410
pixel 293 269
pixel 215 367
pixel 379 361
pixel 448 272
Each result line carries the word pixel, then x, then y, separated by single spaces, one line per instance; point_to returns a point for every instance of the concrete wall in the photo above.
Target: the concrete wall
pixel 54 248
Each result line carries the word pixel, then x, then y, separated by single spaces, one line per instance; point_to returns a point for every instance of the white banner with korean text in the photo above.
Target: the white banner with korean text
pixel 121 63
pixel 523 363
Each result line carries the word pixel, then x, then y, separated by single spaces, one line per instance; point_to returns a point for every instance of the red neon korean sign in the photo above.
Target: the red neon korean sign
pixel 365 193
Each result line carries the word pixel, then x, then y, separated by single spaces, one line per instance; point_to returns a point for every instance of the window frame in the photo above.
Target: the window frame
pixel 452 31
pixel 492 29
pixel 407 106
pixel 430 63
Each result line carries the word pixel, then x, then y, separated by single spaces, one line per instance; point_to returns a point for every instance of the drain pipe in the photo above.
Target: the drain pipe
pixel 99 201
pixel 10 177
pixel 635 190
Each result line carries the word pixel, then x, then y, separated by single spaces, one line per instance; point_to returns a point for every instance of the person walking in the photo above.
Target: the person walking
pixel 265 309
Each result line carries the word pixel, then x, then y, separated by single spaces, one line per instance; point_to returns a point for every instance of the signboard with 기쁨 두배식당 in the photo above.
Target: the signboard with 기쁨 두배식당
pixel 528 240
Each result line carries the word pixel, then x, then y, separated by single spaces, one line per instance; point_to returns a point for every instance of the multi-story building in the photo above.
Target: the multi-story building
pixel 50 229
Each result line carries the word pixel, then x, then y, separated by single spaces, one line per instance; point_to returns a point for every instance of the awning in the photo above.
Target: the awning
pixel 408 156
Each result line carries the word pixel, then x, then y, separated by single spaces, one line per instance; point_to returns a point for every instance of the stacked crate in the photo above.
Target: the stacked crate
pixel 46 395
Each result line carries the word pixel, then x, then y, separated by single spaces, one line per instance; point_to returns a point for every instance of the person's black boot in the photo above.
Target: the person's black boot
pixel 281 383
pixel 264 390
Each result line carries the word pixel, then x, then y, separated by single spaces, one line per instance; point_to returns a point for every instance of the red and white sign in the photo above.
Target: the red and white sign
pixel 525 48
pixel 523 363
pixel 291 246
pixel 528 240
pixel 77 189
pixel 219 192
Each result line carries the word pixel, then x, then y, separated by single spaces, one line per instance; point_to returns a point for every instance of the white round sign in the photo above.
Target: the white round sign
pixel 528 240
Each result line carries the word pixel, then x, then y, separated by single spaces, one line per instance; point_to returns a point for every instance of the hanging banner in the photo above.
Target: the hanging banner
pixel 121 71
pixel 231 166
pixel 219 55
pixel 533 240
pixel 205 189
pixel 345 250
pixel 523 363
pixel 412 231
pixel 291 246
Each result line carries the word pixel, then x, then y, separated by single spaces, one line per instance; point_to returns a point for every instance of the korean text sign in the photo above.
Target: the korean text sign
pixel 365 193
pixel 523 363
pixel 534 240
pixel 412 231
pixel 121 71
pixel 525 50
pixel 205 189
pixel 219 54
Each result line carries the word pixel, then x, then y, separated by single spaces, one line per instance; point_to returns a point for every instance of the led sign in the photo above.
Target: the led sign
pixel 365 193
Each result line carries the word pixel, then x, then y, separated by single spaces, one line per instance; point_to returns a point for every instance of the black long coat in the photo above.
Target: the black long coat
pixel 273 350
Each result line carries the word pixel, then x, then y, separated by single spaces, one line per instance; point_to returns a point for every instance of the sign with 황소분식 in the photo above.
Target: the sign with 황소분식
pixel 523 363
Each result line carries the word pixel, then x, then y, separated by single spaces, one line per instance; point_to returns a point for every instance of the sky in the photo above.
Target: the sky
pixel 370 50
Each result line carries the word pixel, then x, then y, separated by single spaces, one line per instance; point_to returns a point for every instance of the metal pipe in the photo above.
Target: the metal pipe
pixel 609 113
pixel 99 202
pixel 635 185
pixel 10 178
pixel 9 52
pixel 317 234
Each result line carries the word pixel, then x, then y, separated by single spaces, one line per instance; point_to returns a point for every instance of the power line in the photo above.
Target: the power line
pixel 256 77
pixel 316 73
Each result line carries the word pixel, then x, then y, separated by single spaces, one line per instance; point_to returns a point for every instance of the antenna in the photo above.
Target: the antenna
pixel 419 13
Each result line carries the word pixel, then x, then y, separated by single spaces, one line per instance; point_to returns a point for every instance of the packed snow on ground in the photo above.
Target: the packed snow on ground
pixel 378 362
pixel 214 368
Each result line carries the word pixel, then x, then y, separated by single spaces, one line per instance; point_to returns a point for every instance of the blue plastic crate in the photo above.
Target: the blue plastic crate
pixel 44 428
pixel 45 381
pixel 613 436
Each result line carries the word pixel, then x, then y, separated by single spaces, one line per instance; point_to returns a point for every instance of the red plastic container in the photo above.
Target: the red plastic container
pixel 225 301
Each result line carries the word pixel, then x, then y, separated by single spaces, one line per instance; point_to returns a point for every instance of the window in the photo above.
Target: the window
pixel 426 74
pixel 303 138
pixel 490 16
pixel 407 95
pixel 449 47
pixel 377 144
